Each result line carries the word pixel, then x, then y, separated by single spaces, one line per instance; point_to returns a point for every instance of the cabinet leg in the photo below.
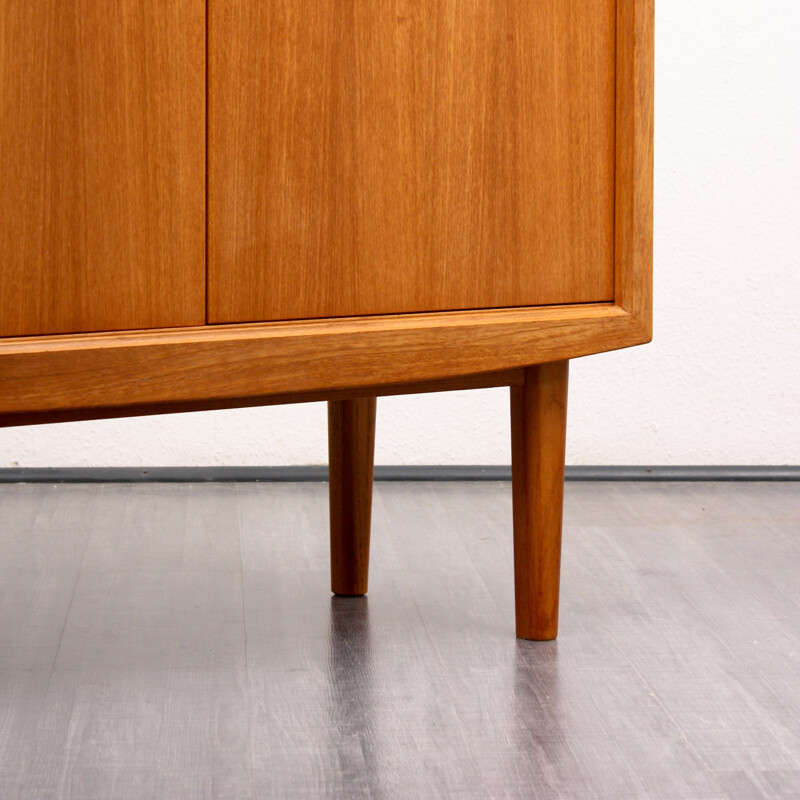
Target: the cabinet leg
pixel 538 436
pixel 351 448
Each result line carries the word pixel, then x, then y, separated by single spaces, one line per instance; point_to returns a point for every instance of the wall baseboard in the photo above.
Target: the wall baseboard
pixel 386 473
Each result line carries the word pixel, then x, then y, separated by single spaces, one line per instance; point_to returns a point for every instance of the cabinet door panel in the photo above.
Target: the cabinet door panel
pixel 102 165
pixel 374 156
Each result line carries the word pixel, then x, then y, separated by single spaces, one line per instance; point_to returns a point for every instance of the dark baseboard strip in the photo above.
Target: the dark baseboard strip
pixel 384 473
pixel 700 473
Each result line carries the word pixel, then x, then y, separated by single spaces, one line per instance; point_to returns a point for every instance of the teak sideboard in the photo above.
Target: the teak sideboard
pixel 218 203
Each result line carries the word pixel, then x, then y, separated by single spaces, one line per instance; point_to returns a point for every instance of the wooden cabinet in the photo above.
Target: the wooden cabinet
pixel 245 202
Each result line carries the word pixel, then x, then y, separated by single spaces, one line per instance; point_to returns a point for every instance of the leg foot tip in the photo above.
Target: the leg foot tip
pixel 537 636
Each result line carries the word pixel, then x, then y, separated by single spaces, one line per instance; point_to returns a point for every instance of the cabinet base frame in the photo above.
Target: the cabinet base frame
pixel 95 376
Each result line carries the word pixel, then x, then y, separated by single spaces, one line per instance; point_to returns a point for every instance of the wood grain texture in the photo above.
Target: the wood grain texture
pixel 351 457
pixel 538 438
pixel 156 367
pixel 634 146
pixel 374 157
pixel 102 158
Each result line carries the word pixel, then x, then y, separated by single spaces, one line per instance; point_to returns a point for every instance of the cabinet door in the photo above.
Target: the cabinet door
pixel 384 156
pixel 102 164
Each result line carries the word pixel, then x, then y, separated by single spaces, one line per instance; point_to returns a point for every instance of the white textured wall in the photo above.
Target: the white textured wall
pixel 721 382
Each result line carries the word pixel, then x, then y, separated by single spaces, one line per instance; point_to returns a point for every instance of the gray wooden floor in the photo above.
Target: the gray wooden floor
pixel 179 641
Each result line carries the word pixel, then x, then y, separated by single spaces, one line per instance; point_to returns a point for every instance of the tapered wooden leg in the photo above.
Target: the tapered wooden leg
pixel 351 448
pixel 538 436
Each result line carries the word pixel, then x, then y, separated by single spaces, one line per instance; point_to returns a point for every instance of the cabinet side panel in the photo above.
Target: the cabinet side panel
pixel 634 223
pixel 102 164
pixel 381 157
